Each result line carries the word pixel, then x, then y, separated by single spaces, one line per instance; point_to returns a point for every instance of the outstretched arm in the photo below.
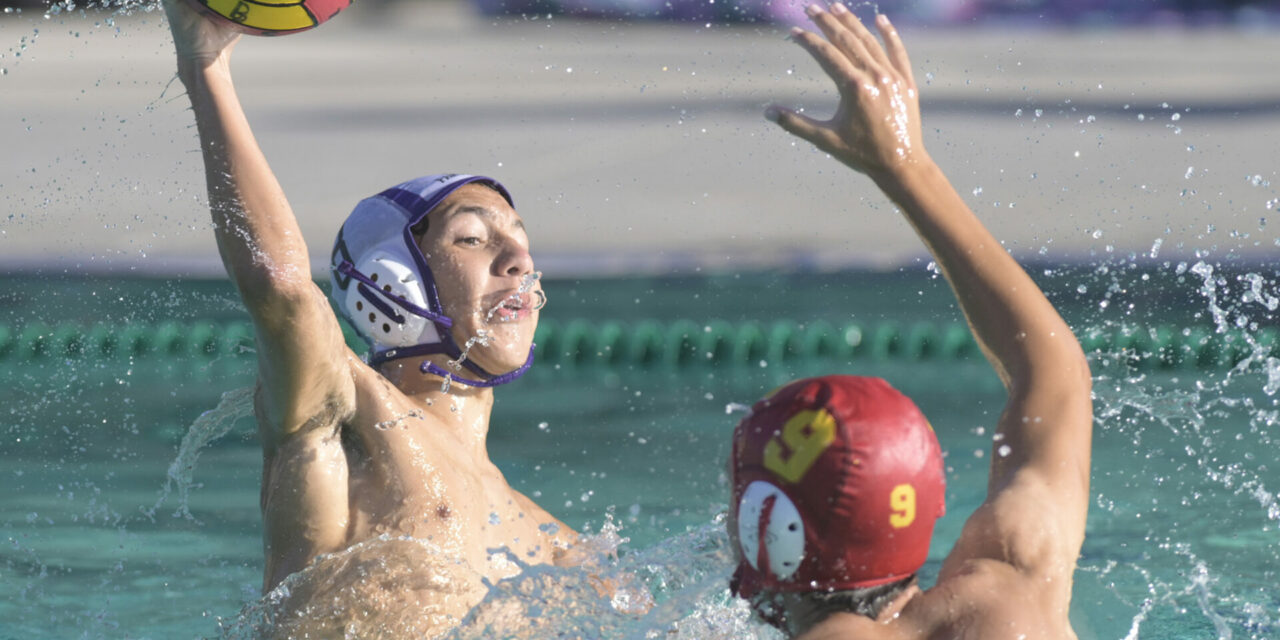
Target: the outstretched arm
pixel 1037 498
pixel 300 346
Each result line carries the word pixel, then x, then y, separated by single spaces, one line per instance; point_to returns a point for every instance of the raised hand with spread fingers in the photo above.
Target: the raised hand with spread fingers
pixel 876 128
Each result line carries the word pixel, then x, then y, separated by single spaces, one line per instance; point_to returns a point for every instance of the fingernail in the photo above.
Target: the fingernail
pixel 795 31
pixel 772 114
pixel 839 9
pixel 812 10
pixel 882 19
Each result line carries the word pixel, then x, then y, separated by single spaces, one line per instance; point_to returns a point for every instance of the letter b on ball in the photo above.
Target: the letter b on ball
pixel 272 17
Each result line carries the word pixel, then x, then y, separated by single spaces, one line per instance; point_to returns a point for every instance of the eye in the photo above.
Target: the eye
pixel 470 241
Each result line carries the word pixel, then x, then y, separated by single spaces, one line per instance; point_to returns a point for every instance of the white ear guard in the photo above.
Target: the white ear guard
pixel 767 518
pixel 376 315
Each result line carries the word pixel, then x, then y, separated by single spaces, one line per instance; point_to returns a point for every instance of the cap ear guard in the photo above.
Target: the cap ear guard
pixel 770 530
pixel 371 308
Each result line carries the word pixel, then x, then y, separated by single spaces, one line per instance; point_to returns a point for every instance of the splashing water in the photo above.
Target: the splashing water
pixel 385 587
pixel 406 587
pixel 526 284
pixel 399 421
pixel 481 338
pixel 1211 428
pixel 676 589
pixel 118 7
pixel 211 425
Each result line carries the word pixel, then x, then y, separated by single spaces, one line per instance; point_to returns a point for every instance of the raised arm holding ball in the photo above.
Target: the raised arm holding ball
pixel 837 481
pixel 383 464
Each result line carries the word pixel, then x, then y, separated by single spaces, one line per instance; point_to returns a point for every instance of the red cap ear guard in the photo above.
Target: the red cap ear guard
pixel 861 470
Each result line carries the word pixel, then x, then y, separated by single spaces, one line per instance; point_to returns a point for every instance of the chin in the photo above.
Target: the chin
pixel 506 351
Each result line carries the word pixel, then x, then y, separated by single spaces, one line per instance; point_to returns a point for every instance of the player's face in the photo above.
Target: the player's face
pixel 478 252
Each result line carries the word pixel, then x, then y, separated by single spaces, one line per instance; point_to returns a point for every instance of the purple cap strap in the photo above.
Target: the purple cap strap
pixel 431 367
pixel 388 355
pixel 348 269
pixel 378 303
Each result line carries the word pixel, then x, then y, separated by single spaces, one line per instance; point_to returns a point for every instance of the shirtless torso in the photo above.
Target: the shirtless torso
pixel 440 516
pixel 392 466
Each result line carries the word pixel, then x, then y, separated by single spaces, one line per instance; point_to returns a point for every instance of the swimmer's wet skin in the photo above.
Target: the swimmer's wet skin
pixel 376 476
pixel 836 481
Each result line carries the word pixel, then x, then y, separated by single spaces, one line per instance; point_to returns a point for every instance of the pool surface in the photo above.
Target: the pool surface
pixel 1182 538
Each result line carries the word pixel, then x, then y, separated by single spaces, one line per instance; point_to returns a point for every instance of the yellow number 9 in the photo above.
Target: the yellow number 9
pixel 902 503
pixel 805 436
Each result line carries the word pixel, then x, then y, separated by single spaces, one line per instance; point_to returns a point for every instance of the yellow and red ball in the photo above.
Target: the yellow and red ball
pixel 272 17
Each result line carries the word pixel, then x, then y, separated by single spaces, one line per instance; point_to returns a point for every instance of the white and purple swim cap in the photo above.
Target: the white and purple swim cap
pixel 383 286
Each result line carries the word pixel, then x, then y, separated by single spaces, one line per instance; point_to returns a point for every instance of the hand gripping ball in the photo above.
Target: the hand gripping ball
pixel 272 17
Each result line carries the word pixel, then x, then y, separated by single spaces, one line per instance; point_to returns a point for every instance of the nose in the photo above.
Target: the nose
pixel 515 259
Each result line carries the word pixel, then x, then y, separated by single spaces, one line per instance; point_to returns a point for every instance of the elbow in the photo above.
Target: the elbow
pixel 1058 364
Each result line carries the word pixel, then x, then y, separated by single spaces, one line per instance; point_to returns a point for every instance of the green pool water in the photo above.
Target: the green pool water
pixel 1182 539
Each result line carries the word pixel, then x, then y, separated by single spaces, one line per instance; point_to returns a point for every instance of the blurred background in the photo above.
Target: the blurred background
pixel 1097 12
pixel 631 132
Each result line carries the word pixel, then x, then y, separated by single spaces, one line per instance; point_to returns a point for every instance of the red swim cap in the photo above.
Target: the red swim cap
pixel 841 478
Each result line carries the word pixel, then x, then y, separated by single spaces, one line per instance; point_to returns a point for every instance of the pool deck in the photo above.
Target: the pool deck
pixel 639 147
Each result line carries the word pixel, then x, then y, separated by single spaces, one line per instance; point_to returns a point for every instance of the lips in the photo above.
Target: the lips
pixel 509 305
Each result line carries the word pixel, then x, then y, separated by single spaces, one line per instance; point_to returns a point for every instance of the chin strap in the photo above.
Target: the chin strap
pixel 346 268
pixel 433 368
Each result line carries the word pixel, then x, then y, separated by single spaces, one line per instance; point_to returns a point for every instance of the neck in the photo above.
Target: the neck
pixel 450 402
pixel 811 623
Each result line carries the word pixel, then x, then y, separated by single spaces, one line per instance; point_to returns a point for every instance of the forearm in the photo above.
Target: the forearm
pixel 258 237
pixel 1018 329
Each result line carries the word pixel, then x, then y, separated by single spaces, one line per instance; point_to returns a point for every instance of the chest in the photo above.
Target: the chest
pixel 407 479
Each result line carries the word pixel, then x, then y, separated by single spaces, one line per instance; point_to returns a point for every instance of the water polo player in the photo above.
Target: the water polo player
pixel 436 274
pixel 837 481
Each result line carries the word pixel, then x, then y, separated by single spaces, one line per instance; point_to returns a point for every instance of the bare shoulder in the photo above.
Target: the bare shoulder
pixel 991 600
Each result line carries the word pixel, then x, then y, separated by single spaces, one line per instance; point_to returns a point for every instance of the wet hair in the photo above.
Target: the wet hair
pixel 420 229
pixel 867 601
pixel 788 611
